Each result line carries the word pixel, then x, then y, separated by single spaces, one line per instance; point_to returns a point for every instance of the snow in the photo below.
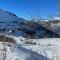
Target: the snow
pixel 9 21
pixel 16 52
pixel 49 48
pixel 56 18
pixel 7 16
pixel 25 49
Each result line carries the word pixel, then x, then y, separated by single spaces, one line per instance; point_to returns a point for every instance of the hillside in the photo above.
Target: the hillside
pixel 13 25
pixel 27 49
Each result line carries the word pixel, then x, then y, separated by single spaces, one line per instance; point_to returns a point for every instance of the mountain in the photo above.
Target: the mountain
pixel 56 18
pixel 9 21
pixel 7 16
pixel 11 24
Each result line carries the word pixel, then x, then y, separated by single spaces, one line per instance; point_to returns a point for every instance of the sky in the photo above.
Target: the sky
pixel 30 8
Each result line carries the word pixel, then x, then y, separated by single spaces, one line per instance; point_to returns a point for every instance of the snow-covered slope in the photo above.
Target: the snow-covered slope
pixel 9 20
pixel 9 51
pixel 21 27
pixel 49 47
pixel 6 16
pixel 31 49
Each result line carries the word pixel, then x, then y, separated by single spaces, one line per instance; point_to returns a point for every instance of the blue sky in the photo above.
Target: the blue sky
pixel 28 8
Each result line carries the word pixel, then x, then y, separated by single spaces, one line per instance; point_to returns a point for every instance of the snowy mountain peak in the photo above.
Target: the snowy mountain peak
pixel 56 18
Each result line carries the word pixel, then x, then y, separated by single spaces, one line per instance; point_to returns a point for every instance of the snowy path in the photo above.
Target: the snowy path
pixel 43 49
pixel 49 47
pixel 16 52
